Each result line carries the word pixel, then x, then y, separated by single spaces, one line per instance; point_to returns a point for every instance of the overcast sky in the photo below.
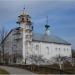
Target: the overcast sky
pixel 61 15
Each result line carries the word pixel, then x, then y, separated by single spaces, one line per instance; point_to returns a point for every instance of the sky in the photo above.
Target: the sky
pixel 61 16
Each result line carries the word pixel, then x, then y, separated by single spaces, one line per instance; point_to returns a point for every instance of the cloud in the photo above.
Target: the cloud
pixel 61 15
pixel 36 8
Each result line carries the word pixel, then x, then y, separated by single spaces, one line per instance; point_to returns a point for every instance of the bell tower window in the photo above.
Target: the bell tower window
pixel 22 19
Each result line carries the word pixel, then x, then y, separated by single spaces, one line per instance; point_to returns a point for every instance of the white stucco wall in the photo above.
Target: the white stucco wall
pixel 49 50
pixel 12 46
pixel 8 44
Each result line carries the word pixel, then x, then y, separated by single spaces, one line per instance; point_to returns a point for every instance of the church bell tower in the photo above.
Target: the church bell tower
pixel 24 21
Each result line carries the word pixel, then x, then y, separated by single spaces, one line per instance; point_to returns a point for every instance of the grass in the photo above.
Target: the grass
pixel 2 71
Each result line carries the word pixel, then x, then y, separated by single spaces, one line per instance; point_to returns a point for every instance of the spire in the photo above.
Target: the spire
pixel 47 20
pixel 24 18
pixel 47 27
pixel 24 11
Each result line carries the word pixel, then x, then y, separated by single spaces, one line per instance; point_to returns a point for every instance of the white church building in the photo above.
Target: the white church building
pixel 22 42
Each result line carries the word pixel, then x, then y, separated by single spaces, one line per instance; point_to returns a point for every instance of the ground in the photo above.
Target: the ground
pixel 13 70
pixel 67 68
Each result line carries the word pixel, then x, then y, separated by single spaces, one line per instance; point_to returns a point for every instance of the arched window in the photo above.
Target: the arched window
pixel 59 49
pixel 56 49
pixel 47 48
pixel 67 49
pixel 37 47
pixel 64 49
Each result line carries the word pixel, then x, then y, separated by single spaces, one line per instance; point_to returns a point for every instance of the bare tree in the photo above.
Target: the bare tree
pixel 17 56
pixel 36 59
pixel 3 33
pixel 61 60
pixel 58 60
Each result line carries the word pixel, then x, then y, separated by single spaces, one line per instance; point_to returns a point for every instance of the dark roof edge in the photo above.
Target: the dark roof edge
pixel 52 42
pixel 9 33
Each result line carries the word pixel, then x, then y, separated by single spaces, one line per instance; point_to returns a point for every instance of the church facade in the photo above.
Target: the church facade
pixel 22 43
